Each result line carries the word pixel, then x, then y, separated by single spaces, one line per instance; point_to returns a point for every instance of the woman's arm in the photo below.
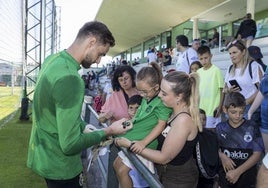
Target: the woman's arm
pixel 140 145
pixel 251 98
pixel 256 103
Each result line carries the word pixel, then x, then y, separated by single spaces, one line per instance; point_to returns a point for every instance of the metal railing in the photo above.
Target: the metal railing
pixel 90 116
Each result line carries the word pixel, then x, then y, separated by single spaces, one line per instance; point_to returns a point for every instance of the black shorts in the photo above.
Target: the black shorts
pixel 76 182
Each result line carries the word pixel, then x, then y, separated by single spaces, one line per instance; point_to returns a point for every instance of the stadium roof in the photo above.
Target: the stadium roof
pixel 135 21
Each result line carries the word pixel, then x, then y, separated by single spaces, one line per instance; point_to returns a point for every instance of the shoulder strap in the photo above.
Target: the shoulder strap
pixel 187 57
pixel 250 68
pixel 177 116
pixel 230 68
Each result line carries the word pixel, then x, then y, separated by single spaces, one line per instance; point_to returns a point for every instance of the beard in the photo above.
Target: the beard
pixel 87 62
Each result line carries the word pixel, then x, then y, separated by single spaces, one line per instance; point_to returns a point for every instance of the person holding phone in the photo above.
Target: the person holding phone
pixel 238 77
pixel 235 84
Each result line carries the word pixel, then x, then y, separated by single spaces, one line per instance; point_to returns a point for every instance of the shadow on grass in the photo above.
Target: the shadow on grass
pixel 14 139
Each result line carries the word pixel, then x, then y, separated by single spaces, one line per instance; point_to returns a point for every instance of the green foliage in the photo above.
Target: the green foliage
pixel 14 138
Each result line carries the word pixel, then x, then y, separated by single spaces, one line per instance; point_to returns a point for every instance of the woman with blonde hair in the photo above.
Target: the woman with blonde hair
pixel 174 155
pixel 244 75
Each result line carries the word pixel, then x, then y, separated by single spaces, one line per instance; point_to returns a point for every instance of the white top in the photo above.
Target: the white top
pixel 185 59
pixel 108 89
pixel 245 81
pixel 152 57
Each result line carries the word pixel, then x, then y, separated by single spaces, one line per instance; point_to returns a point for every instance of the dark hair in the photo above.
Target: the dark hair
pixel 99 30
pixel 135 99
pixel 248 16
pixel 234 99
pixel 151 74
pixel 203 49
pixel 183 40
pixel 196 63
pixel 119 73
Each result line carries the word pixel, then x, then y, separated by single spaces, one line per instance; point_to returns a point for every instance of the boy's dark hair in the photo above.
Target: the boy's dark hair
pixel 196 63
pixel 203 49
pixel 135 99
pixel 234 99
pixel 183 40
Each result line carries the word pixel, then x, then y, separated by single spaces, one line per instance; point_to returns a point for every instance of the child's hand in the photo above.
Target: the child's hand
pixel 103 117
pixel 108 115
pixel 137 147
pixel 233 175
pixel 227 163
pixel 122 142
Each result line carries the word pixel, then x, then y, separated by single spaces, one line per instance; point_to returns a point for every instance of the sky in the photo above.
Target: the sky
pixel 74 14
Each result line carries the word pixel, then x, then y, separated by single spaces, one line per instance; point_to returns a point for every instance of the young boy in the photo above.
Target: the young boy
pixel 133 104
pixel 203 117
pixel 210 86
pixel 241 145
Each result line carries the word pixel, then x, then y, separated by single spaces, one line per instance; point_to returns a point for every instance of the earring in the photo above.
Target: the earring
pixel 178 102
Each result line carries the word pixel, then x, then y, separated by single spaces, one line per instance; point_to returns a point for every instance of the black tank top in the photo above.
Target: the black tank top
pixel 187 151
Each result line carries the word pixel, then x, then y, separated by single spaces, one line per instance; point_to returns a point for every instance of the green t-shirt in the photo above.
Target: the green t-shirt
pixel 57 139
pixel 146 119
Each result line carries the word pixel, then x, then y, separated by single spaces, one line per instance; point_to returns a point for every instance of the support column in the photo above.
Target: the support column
pixel 251 7
pixel 195 28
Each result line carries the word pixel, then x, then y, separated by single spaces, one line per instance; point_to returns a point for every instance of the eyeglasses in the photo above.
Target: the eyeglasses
pixel 144 92
pixel 239 42
pixel 123 79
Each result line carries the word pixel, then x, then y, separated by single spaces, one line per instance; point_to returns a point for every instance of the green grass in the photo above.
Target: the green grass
pixel 9 101
pixel 14 138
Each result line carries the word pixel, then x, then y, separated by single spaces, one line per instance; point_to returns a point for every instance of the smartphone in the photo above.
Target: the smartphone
pixel 126 124
pixel 235 83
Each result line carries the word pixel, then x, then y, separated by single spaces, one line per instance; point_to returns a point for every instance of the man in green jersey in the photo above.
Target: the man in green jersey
pixel 57 137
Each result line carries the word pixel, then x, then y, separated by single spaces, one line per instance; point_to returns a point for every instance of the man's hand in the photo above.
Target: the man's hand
pixel 118 127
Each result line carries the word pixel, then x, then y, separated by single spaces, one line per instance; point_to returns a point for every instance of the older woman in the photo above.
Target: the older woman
pixel 124 87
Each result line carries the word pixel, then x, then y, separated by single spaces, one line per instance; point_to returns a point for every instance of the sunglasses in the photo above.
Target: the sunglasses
pixel 236 42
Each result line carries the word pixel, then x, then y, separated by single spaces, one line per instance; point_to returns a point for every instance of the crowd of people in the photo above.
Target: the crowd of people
pixel 165 113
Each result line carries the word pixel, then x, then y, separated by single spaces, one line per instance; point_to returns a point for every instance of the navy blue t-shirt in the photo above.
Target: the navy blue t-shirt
pixel 239 144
